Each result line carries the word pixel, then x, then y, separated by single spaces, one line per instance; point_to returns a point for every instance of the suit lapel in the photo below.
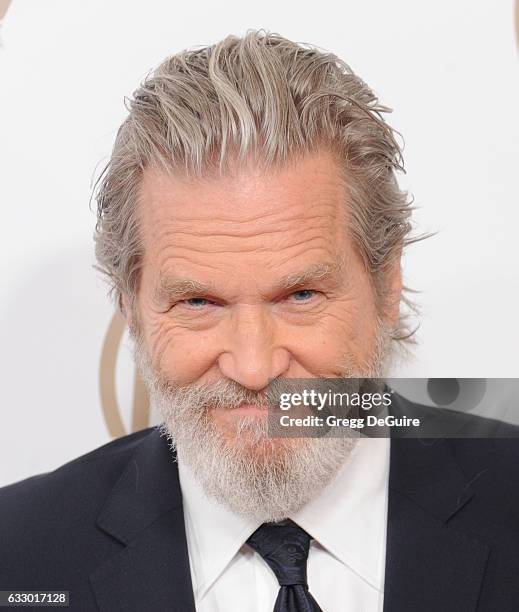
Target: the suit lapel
pixel 429 565
pixel 144 513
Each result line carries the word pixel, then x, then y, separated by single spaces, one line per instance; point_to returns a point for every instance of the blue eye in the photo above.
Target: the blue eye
pixel 196 302
pixel 304 295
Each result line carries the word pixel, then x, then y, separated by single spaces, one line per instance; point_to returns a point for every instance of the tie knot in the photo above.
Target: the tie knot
pixel 284 547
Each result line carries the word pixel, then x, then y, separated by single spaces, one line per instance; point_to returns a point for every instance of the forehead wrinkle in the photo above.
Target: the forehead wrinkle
pixel 254 245
pixel 241 228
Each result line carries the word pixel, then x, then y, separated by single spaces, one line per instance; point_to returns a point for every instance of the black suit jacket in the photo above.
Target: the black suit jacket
pixel 109 528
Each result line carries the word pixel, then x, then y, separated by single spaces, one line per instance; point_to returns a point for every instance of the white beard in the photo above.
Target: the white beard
pixel 262 478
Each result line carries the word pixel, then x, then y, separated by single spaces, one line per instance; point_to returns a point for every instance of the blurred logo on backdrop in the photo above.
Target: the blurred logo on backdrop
pixel 112 411
pixel 4 5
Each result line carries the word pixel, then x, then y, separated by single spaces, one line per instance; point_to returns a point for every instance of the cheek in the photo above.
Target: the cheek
pixel 322 347
pixel 186 357
pixel 346 330
pixel 180 354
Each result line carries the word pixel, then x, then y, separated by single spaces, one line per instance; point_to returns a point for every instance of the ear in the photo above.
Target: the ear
pixel 126 310
pixel 394 291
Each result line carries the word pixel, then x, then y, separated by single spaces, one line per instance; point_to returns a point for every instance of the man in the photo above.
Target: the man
pixel 251 226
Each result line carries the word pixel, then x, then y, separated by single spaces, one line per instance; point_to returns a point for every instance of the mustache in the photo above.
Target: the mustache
pixel 221 394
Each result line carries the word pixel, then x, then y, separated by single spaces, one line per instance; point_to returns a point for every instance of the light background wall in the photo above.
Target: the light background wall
pixel 450 71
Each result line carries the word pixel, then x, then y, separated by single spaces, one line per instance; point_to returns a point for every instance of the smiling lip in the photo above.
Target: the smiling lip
pixel 249 409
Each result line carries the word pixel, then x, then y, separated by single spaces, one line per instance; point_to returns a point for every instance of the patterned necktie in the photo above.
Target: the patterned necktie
pixel 284 547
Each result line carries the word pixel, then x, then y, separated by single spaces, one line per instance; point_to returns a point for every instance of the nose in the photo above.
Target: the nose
pixel 252 356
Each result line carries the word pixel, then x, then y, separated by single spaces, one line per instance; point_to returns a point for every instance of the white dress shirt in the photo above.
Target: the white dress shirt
pixel 346 561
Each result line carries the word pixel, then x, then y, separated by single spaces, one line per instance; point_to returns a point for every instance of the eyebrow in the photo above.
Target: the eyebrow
pixel 179 288
pixel 318 272
pixel 170 288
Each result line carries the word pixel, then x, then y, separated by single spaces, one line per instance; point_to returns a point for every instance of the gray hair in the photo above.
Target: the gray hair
pixel 264 96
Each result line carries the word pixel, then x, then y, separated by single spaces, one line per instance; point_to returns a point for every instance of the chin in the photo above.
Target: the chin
pixel 250 440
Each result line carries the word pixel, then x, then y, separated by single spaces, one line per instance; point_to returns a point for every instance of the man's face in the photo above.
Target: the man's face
pixel 246 278
pixel 253 276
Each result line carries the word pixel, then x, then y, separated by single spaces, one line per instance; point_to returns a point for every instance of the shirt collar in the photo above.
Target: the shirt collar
pixel 214 533
pixel 348 518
